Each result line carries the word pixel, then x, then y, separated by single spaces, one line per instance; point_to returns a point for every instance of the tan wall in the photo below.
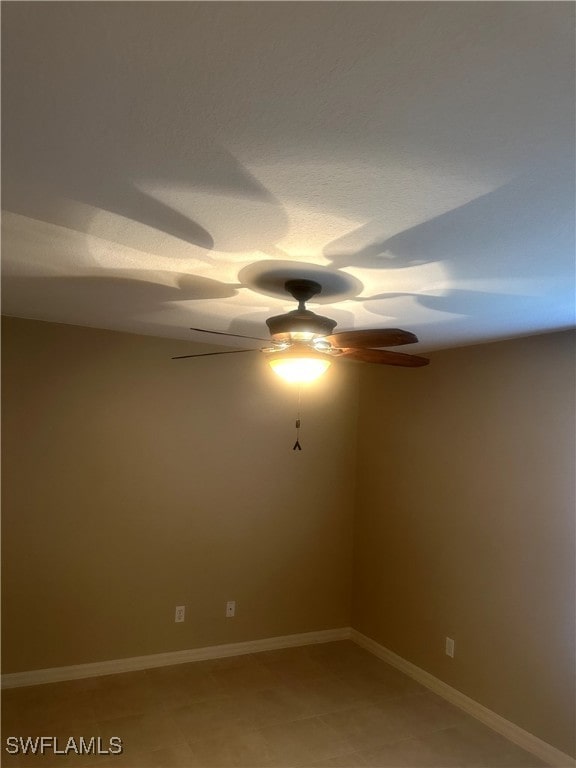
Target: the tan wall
pixel 465 524
pixel 133 483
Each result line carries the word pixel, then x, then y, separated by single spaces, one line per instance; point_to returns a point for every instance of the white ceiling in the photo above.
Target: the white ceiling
pixel 164 162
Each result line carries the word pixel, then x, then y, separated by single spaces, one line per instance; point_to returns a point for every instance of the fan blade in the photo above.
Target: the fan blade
pixel 375 337
pixel 221 333
pixel 209 354
pixel 383 357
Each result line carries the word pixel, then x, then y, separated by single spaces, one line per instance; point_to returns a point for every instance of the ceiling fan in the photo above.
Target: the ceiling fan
pixel 304 343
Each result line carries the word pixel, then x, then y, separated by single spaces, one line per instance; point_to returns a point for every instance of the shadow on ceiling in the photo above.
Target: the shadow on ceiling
pixel 505 233
pixel 145 166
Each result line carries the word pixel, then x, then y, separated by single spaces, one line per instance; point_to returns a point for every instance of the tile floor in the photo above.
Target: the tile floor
pixel 324 705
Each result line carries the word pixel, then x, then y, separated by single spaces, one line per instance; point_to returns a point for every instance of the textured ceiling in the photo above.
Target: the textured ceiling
pixel 165 163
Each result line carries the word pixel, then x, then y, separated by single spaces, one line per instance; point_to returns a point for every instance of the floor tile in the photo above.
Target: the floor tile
pixel 248 676
pixel 257 709
pixel 330 705
pixel 452 748
pixel 293 664
pixel 123 702
pixel 407 753
pixel 304 741
pixel 475 745
pixel 319 696
pixel 142 733
pixel 365 727
pixel 179 756
pixel 242 748
pixel 353 760
pixel 421 714
pixel 215 752
pixel 182 684
pixel 211 718
pixel 46 708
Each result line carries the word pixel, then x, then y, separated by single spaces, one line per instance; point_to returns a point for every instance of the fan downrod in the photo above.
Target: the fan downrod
pixel 301 320
pixel 302 290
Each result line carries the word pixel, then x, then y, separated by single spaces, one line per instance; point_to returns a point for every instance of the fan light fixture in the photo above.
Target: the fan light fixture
pixel 299 366
pixel 304 343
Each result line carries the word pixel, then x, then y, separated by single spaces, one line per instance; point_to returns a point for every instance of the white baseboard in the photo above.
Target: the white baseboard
pixel 513 732
pixel 134 663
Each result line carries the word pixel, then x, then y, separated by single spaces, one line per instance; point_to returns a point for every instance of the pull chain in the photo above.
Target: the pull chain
pixel 297 446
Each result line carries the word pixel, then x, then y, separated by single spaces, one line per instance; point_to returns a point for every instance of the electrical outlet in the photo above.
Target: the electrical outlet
pixel 450 647
pixel 230 609
pixel 180 613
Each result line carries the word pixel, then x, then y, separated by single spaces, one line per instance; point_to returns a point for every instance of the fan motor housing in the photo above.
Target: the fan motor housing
pixel 299 321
